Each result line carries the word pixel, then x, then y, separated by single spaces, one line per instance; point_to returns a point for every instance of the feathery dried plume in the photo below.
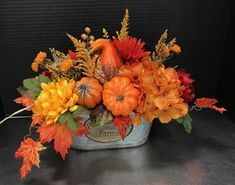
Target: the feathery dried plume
pixel 85 61
pixel 162 40
pixel 57 55
pixel 105 33
pixel 125 26
pixel 163 50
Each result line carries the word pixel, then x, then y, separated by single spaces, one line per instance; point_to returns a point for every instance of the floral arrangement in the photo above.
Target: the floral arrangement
pixel 111 80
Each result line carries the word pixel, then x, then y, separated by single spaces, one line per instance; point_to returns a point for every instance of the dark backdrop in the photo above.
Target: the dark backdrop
pixel 201 28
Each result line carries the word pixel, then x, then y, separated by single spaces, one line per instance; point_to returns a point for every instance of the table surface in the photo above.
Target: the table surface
pixel 170 157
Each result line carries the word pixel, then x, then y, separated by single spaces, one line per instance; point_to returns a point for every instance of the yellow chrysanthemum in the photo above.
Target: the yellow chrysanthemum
pixel 55 99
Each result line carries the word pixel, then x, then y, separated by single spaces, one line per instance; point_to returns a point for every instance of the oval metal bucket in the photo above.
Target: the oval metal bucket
pixel 107 137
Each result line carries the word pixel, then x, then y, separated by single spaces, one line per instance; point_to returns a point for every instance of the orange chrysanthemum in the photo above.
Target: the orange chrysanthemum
pixel 130 49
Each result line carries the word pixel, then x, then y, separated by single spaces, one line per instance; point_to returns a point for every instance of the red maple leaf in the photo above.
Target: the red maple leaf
pixel 82 130
pixel 208 103
pixel 25 101
pixel 28 150
pixel 205 102
pixel 122 123
pixel 220 109
pixel 61 135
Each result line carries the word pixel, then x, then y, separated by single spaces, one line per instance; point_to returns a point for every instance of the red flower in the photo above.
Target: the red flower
pixel 72 54
pixel 187 82
pixel 47 73
pixel 130 49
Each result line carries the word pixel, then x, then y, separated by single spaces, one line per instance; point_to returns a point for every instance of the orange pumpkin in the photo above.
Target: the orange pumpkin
pixel 89 92
pixel 120 96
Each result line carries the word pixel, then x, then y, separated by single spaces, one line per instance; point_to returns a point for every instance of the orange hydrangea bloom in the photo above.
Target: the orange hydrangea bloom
pixel 160 91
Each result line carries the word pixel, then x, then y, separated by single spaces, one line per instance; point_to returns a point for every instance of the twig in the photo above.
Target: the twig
pixel 30 133
pixel 17 112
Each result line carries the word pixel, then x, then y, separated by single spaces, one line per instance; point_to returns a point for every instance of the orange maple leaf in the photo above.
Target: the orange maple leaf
pixel 61 135
pixel 208 103
pixel 25 101
pixel 62 140
pixel 46 132
pixel 37 120
pixel 122 123
pixel 28 150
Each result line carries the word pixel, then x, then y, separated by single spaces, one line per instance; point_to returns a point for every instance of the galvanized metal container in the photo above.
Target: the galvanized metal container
pixel 107 137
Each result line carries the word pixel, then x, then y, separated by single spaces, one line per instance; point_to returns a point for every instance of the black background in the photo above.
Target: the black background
pixel 203 29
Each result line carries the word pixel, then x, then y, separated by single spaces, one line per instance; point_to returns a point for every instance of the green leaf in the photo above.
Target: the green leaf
pixel 63 117
pixel 44 79
pixel 28 84
pixel 67 117
pixel 186 121
pixel 32 86
pixel 79 110
pixel 36 83
pixel 73 125
pixel 21 90
pixel 180 120
pixel 31 83
pixel 33 93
